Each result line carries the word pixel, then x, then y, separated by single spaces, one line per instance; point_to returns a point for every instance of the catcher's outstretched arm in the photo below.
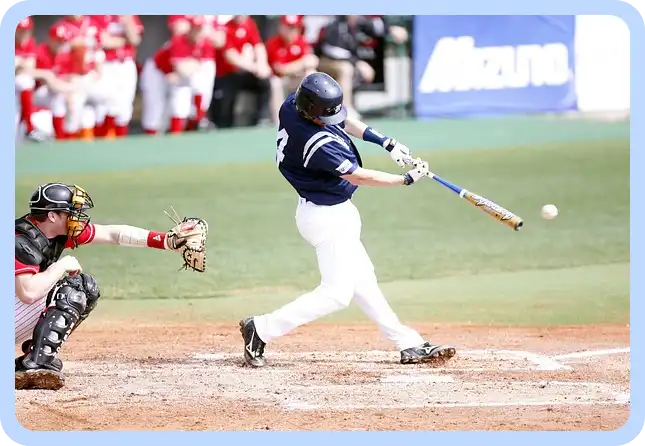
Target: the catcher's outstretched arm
pixel 126 235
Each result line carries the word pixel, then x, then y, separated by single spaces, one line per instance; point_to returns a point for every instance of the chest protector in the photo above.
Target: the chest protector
pixel 33 248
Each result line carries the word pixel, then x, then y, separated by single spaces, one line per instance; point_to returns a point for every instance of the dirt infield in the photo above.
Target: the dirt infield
pixel 335 377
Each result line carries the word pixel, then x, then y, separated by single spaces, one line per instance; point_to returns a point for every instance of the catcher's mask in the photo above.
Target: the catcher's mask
pixel 59 197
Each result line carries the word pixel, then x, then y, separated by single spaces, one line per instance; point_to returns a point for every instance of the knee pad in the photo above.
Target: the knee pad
pixel 55 325
pixel 92 293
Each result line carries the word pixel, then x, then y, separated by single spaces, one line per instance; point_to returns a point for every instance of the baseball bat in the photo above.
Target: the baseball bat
pixel 493 209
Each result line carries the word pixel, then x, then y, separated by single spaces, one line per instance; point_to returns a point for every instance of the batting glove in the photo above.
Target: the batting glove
pixel 398 152
pixel 420 170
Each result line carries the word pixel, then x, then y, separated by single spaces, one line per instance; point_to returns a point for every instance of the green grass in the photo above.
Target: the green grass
pixel 436 256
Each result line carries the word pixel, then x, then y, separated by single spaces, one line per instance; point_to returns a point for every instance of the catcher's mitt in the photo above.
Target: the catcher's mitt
pixel 188 238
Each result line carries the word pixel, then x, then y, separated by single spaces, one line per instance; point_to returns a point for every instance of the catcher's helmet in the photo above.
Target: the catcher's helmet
pixel 59 197
pixel 319 96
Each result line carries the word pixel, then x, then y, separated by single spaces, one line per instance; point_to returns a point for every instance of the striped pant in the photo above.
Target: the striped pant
pixel 26 317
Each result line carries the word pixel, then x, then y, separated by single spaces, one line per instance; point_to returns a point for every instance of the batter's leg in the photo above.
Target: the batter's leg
pixel 333 232
pixel 369 297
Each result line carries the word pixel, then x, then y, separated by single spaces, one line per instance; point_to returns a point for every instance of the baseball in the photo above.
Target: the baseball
pixel 549 211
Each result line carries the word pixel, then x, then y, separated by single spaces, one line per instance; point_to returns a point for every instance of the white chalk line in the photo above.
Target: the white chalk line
pixel 307 406
pixel 591 353
pixel 542 362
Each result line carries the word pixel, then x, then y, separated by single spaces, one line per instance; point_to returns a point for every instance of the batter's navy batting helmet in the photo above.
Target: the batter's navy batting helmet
pixel 319 96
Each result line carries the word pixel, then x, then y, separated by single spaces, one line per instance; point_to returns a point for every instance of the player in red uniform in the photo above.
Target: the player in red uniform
pixel 291 58
pixel 24 62
pixel 241 65
pixel 53 295
pixel 166 79
pixel 204 80
pixel 120 36
pixel 96 93
pixel 55 88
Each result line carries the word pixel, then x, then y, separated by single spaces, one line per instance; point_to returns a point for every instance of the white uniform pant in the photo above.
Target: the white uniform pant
pixel 202 84
pixel 161 98
pixel 346 273
pixel 90 102
pixel 124 76
pixel 55 104
pixel 25 319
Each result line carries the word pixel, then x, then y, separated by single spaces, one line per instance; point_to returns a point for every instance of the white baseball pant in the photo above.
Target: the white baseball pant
pixel 202 84
pixel 124 84
pixel 99 94
pixel 346 273
pixel 158 95
pixel 42 97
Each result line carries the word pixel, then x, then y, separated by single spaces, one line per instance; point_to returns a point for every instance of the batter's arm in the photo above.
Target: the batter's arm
pixel 399 153
pixel 375 178
pixel 355 127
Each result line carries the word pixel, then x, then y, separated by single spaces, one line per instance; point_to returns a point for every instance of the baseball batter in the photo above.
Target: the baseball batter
pixel 316 155
pixel 53 294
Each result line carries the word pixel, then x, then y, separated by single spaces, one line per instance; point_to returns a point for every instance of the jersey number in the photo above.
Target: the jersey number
pixel 282 139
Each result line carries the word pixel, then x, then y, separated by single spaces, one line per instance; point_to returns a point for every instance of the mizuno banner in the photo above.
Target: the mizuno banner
pixel 492 65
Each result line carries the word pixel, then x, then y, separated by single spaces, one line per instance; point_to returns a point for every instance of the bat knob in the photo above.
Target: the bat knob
pixel 519 225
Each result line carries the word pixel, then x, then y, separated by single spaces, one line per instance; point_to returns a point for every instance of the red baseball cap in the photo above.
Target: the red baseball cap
pixel 58 33
pixel 26 23
pixel 292 20
pixel 196 20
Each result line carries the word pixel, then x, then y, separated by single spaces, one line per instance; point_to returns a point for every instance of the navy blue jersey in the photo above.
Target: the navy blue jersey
pixel 313 158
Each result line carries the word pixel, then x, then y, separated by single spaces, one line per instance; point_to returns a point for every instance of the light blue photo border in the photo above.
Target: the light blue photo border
pixel 623 10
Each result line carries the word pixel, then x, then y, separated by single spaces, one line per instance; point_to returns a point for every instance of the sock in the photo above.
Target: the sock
pixel 121 130
pixel 26 104
pixel 58 123
pixel 176 125
pixel 107 126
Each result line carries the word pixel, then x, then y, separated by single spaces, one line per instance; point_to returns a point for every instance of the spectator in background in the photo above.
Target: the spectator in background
pixel 24 63
pixel 204 80
pixel 54 84
pixel 290 57
pixel 120 35
pixel 242 65
pixel 96 93
pixel 338 50
pixel 167 77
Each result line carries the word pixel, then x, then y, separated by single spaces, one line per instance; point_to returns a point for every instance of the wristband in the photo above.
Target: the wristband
pixel 157 240
pixel 371 135
pixel 407 179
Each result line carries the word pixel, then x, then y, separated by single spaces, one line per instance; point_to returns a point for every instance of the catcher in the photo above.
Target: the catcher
pixel 53 294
